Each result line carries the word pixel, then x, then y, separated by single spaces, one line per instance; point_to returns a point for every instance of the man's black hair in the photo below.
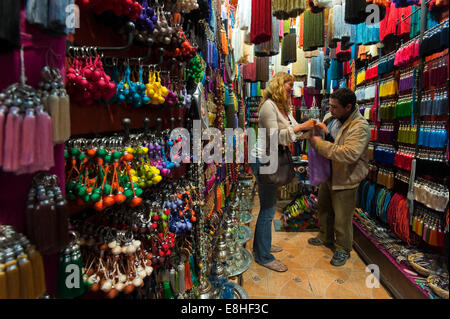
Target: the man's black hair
pixel 345 96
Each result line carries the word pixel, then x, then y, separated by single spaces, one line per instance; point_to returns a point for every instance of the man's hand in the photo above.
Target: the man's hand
pixel 322 127
pixel 314 139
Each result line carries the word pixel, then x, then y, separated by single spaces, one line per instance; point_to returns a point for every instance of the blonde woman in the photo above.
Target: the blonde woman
pixel 274 113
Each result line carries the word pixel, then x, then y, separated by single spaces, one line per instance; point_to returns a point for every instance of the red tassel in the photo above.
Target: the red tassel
pixel 187 276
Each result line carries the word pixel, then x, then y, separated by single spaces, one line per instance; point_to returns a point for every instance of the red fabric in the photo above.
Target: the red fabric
pixel 249 72
pixel 347 69
pixel 372 72
pixel 343 55
pixel 261 24
pixel 388 26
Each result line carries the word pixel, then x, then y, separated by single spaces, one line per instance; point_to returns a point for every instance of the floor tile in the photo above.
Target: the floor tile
pixel 310 274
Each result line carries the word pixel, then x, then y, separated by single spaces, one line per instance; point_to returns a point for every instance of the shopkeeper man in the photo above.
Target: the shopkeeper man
pixel 347 136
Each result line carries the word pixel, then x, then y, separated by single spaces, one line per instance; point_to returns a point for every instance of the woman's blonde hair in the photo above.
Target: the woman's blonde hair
pixel 276 92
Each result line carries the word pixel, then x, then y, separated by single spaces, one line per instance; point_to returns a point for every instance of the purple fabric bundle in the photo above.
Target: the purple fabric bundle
pixel 319 167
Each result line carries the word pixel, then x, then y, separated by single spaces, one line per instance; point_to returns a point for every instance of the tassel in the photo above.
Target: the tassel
pixel 64 118
pixel 13 279
pixel 26 277
pixel 187 276
pixel 28 129
pixel 62 223
pixel 173 282
pixel 53 111
pixel 8 147
pixel 48 143
pixel 192 268
pixel 181 278
pixel 2 123
pixel 3 283
pixel 17 147
pixel 167 290
pixel 38 271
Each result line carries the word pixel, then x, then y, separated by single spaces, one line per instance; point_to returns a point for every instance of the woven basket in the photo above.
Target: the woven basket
pixel 438 290
pixel 418 268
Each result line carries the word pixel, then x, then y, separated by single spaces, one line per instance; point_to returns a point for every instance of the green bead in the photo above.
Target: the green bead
pixel 95 197
pixel 128 185
pixel 71 196
pixel 108 159
pixel 117 155
pixel 128 193
pixel 106 189
pixel 74 151
pixel 66 154
pixel 86 198
pixel 81 157
pixel 82 191
pixel 164 217
pixel 138 191
pixel 77 187
pixel 102 152
pixel 97 190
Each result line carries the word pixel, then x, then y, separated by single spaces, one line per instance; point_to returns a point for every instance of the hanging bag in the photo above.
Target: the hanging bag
pixel 285 169
pixel 319 166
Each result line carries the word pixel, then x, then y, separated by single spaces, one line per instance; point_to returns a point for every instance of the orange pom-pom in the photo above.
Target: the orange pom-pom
pixel 98 206
pixel 109 201
pixel 91 152
pixel 120 198
pixel 128 157
pixel 136 202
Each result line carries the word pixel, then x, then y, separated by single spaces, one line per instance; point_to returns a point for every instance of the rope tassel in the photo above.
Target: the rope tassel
pixel 26 277
pixel 38 271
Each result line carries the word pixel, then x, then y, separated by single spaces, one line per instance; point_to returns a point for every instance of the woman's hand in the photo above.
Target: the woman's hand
pixel 322 127
pixel 306 126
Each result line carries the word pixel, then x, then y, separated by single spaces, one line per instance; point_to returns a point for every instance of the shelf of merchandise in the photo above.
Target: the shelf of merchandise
pixel 392 277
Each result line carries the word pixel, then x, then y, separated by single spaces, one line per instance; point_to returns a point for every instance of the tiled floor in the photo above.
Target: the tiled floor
pixel 310 274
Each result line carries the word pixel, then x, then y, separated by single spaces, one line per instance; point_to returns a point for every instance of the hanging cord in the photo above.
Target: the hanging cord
pixel 23 78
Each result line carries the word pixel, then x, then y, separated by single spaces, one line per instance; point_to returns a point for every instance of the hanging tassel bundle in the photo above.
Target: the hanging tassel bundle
pixel 47 215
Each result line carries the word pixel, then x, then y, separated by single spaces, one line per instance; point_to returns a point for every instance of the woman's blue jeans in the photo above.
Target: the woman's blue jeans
pixel 263 231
